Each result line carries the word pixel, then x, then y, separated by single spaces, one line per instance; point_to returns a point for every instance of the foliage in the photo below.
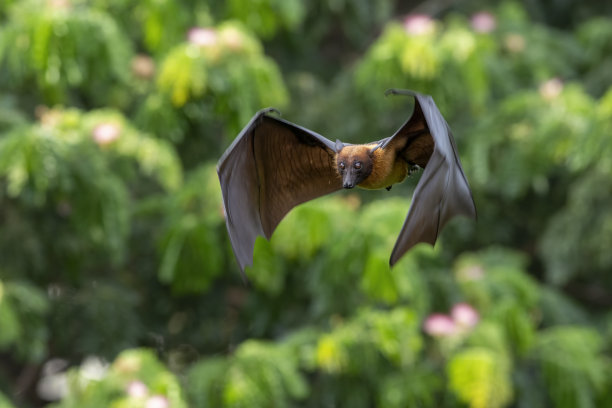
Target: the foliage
pixel 256 374
pixel 4 402
pixel 480 378
pixel 118 285
pixel 575 379
pixel 76 167
pixel 135 379
pixel 59 47
pixel 267 17
pixel 191 234
pixel 22 313
pixel 221 62
pixel 218 72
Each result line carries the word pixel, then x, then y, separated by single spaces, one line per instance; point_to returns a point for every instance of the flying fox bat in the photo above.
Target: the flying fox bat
pixel 273 165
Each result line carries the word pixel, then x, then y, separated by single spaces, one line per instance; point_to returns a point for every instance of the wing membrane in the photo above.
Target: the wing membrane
pixel 272 166
pixel 443 191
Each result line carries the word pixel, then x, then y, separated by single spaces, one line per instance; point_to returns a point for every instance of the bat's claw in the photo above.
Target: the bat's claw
pixel 395 91
pixel 388 188
pixel 268 110
pixel 378 146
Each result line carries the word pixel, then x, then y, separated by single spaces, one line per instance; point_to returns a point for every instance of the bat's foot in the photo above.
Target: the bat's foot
pixel 388 188
pixel 412 167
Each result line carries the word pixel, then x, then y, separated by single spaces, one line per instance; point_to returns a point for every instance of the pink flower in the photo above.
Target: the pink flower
pixel 418 24
pixel 550 89
pixel 106 133
pixel 439 325
pixel 465 315
pixel 483 22
pixel 137 389
pixel 203 37
pixel 157 401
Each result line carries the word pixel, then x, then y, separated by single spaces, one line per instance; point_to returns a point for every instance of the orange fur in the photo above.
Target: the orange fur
pixel 387 167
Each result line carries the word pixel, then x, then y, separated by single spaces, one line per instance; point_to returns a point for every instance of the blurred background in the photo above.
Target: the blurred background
pixel 118 285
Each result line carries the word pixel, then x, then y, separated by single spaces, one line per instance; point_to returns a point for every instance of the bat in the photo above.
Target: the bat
pixel 273 165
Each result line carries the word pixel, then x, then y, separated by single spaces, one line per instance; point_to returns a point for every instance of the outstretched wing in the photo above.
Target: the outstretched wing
pixel 443 191
pixel 272 166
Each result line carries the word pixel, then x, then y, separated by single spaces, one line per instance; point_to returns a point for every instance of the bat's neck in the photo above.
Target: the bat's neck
pixel 386 170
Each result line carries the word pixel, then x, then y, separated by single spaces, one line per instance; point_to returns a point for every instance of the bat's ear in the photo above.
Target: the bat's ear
pixel 339 145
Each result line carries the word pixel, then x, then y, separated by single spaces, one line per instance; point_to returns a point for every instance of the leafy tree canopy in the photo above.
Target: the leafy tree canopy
pixel 118 286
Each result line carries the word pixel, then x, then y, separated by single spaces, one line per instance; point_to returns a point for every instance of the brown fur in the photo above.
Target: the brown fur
pixel 421 149
pixel 384 166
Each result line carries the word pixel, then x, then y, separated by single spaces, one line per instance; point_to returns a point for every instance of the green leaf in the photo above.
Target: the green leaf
pixel 5 402
pixel 23 312
pixel 257 375
pixel 9 324
pixel 416 387
pixel 481 378
pixel 572 363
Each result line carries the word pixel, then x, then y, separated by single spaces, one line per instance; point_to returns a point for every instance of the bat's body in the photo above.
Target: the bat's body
pixel 274 165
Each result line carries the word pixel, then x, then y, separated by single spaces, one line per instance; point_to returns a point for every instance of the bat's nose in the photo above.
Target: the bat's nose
pixel 349 180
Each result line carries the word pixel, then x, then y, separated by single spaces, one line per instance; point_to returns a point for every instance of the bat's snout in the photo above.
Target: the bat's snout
pixel 349 180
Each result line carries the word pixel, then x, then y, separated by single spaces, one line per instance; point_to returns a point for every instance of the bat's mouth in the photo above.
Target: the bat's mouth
pixel 348 186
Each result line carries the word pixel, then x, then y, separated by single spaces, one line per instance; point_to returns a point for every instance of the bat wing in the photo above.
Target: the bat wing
pixel 272 166
pixel 443 191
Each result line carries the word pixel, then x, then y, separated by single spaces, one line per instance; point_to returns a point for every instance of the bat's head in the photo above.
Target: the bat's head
pixel 354 164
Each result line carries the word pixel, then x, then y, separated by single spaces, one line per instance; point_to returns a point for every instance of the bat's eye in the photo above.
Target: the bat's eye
pixel 357 165
pixel 341 165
